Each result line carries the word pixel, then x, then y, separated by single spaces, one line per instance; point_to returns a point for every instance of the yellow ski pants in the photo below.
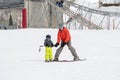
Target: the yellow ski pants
pixel 48 53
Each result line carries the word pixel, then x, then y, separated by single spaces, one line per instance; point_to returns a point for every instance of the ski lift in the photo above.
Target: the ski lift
pixel 108 3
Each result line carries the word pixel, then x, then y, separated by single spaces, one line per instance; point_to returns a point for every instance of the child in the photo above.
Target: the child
pixel 48 48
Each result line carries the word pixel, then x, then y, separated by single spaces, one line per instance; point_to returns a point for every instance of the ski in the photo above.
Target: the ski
pixel 70 60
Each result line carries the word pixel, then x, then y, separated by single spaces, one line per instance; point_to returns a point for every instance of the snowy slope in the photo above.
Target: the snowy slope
pixel 20 59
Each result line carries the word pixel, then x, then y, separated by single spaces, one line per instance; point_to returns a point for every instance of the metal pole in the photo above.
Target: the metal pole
pixel 108 22
pixel 28 13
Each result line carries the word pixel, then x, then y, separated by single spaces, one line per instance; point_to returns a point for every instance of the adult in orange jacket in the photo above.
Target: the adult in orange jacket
pixel 65 38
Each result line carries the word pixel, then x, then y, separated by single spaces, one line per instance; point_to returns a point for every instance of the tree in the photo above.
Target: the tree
pixel 10 21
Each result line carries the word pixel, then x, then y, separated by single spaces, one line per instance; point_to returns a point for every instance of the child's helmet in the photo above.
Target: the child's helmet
pixel 48 36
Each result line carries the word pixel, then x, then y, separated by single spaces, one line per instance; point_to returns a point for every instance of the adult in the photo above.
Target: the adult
pixel 65 38
pixel 60 3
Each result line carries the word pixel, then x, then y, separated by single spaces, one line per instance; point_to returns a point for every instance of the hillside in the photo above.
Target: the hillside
pixel 21 60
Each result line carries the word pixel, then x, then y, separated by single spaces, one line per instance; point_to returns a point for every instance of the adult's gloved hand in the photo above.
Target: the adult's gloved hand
pixel 63 44
pixel 56 45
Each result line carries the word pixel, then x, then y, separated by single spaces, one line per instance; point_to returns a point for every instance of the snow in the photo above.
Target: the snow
pixel 111 1
pixel 106 1
pixel 88 1
pixel 21 60
pixel 92 1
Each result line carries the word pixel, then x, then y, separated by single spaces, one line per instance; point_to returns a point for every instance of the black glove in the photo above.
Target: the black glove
pixel 56 45
pixel 63 44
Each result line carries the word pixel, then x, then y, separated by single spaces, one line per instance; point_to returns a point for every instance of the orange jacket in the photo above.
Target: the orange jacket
pixel 63 35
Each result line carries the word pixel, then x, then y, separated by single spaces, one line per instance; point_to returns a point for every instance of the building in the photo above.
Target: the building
pixel 9 1
pixel 40 14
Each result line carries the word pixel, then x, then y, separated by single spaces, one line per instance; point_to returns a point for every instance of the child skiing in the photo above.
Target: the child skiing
pixel 48 48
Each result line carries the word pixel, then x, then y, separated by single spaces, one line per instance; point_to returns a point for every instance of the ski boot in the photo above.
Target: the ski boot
pixel 76 59
pixel 55 59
